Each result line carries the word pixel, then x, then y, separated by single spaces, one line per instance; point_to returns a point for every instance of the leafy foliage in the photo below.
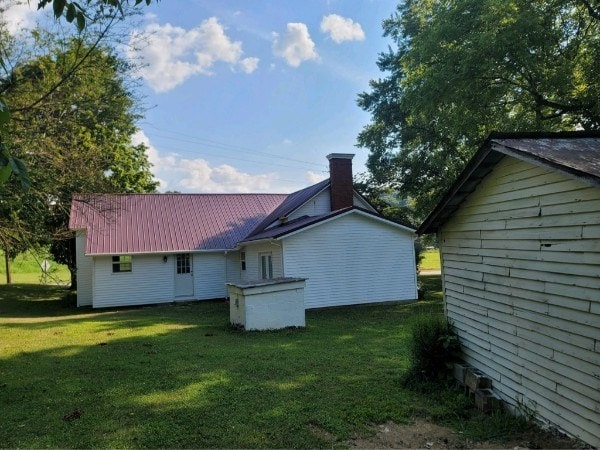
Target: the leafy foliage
pixel 433 347
pixel 463 68
pixel 73 115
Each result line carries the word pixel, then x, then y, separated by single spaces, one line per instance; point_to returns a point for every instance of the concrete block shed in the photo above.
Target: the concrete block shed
pixel 519 236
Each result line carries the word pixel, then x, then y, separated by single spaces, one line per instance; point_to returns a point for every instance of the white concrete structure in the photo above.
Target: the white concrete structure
pixel 519 237
pixel 267 304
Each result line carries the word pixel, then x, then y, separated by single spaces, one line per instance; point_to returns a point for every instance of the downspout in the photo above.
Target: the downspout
pixel 226 276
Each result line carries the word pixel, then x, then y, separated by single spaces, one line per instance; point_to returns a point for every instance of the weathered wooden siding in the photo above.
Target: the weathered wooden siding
pixel 521 277
pixel 85 267
pixel 352 260
pixel 252 272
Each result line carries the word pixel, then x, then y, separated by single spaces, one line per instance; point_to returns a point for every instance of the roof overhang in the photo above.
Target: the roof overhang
pixel 496 147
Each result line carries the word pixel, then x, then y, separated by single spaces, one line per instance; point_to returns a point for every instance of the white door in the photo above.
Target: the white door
pixel 184 275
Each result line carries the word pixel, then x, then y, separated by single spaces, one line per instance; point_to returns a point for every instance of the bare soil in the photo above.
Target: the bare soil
pixel 427 435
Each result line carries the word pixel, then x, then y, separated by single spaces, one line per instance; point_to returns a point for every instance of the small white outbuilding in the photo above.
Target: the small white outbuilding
pixel 519 236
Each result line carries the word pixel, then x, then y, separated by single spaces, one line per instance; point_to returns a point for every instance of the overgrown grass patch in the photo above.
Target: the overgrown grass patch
pixel 180 376
pixel 431 260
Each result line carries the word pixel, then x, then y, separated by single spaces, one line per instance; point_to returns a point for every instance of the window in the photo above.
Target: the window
pixel 266 265
pixel 183 263
pixel 121 263
pixel 243 260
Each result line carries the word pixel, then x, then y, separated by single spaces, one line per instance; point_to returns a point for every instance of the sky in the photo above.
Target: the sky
pixel 250 96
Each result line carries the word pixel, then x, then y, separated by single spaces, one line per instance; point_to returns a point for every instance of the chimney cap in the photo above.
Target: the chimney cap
pixel 340 156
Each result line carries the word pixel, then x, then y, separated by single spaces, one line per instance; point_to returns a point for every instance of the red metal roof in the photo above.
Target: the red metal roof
pixel 148 223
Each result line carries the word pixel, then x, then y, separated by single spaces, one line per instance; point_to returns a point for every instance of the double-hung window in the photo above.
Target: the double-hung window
pixel 266 265
pixel 121 263
pixel 243 260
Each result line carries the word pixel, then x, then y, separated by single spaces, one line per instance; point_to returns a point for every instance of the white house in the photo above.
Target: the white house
pixel 153 248
pixel 519 236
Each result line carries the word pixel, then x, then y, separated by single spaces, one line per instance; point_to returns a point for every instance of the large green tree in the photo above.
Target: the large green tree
pixel 462 68
pixel 73 133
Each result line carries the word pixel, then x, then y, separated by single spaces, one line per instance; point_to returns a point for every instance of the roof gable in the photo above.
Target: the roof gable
pixel 149 223
pixel 306 222
pixel 574 154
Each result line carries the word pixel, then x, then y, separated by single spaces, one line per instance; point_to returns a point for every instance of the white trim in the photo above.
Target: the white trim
pixel 167 252
pixel 352 211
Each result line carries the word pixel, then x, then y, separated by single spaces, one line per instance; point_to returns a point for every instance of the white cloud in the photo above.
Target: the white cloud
pixel 18 16
pixel 315 177
pixel 197 175
pixel 295 46
pixel 173 54
pixel 342 29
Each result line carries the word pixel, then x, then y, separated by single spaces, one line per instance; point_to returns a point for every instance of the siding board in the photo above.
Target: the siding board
pixel 523 295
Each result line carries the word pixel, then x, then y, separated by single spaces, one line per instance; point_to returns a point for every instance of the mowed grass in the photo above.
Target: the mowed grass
pixel 431 260
pixel 179 376
pixel 25 268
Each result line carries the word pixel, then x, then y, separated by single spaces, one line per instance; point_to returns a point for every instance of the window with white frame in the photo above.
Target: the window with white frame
pixel 121 263
pixel 243 260
pixel 266 265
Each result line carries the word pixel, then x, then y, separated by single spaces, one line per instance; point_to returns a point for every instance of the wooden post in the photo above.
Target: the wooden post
pixel 7 265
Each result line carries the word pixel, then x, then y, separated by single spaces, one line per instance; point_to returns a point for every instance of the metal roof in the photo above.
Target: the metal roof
pixel 575 154
pixel 150 223
pixel 306 221
pixel 290 204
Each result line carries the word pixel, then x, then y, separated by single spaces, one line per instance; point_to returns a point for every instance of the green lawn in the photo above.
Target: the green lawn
pixel 431 260
pixel 26 269
pixel 178 376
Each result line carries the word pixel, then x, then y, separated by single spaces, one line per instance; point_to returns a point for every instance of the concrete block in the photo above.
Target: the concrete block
pixel 476 379
pixel 460 370
pixel 486 400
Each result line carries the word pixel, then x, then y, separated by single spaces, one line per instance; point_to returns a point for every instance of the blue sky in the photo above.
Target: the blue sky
pixel 250 96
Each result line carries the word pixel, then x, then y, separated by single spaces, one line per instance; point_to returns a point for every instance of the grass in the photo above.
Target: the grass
pixel 431 260
pixel 26 269
pixel 179 376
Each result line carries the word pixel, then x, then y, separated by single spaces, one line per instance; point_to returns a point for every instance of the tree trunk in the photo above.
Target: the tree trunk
pixel 73 271
pixel 8 269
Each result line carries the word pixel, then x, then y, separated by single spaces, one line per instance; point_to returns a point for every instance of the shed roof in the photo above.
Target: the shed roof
pixel 575 154
pixel 150 223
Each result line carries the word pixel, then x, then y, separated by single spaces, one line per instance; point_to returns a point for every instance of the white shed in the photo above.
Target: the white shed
pixel 519 236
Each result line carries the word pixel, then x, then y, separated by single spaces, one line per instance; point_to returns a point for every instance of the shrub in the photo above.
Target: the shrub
pixel 433 348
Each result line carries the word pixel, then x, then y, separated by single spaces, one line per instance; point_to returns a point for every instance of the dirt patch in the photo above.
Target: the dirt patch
pixel 423 434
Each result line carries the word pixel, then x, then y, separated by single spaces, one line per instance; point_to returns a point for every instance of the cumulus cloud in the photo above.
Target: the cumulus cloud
pixel 295 46
pixel 197 175
pixel 342 29
pixel 173 54
pixel 18 16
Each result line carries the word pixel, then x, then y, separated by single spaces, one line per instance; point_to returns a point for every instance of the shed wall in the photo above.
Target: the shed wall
pixel 521 277
pixel 352 260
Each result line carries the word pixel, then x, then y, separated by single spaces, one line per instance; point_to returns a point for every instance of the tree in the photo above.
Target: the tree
pixel 76 139
pixel 464 68
pixel 77 12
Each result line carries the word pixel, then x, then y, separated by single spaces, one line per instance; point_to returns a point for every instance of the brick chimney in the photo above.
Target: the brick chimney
pixel 340 176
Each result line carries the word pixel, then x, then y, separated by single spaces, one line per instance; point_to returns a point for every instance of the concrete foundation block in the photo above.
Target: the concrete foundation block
pixel 486 400
pixel 476 379
pixel 460 370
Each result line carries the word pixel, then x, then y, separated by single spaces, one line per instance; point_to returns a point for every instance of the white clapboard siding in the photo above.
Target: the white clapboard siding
pixel 209 275
pixel 521 277
pixel 234 267
pixel 351 260
pixel 151 280
pixel 253 251
pixel 321 204
pixel 85 269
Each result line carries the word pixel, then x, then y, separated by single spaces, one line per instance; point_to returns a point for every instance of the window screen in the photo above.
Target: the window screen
pixel 121 263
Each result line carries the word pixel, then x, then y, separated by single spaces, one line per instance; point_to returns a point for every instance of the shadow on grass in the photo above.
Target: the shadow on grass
pixel 180 377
